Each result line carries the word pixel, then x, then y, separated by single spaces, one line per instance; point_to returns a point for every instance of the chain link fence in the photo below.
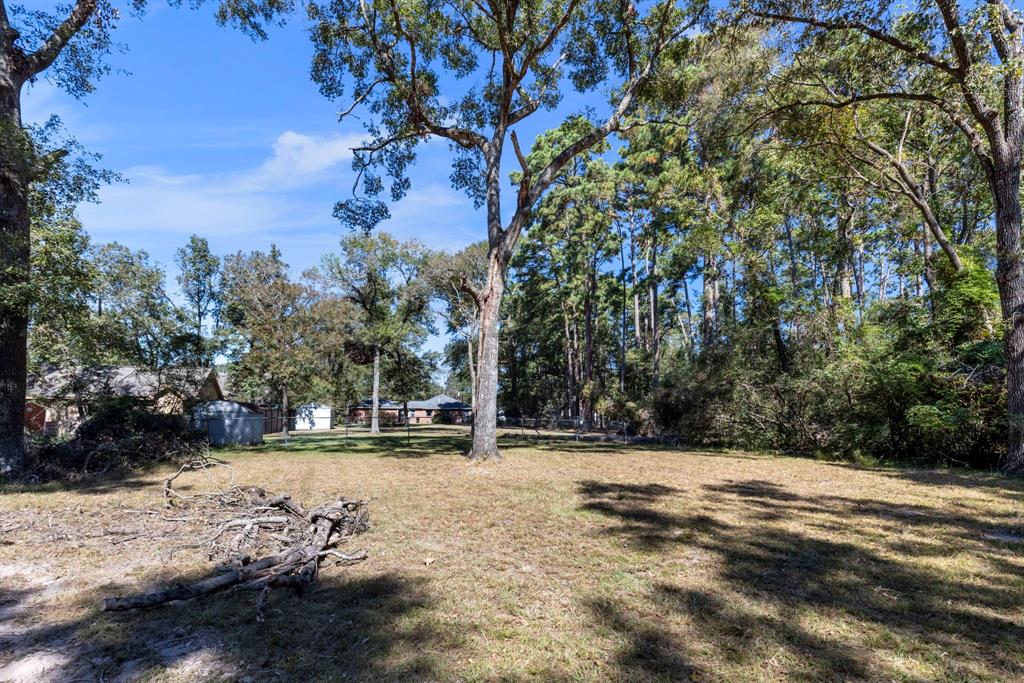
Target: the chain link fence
pixel 598 429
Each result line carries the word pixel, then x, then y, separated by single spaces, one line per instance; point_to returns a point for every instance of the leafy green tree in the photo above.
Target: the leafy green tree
pixel 199 280
pixel 270 317
pixel 68 47
pixel 63 330
pixel 381 278
pixel 961 64
pixel 137 320
pixel 339 377
pixel 449 275
pixel 410 374
pixel 522 55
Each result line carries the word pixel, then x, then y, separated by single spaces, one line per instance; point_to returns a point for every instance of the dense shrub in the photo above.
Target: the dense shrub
pixel 919 382
pixel 120 434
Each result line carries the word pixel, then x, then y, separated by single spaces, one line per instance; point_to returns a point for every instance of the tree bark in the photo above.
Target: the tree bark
pixel 17 170
pixel 472 374
pixel 15 178
pixel 689 318
pixel 570 365
pixel 845 247
pixel 375 400
pixel 636 288
pixel 1010 279
pixel 652 283
pixel 622 332
pixel 586 407
pixel 709 322
pixel 485 419
pixel 284 412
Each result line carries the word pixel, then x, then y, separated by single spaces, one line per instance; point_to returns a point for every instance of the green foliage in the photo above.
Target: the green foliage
pixel 270 320
pixel 441 417
pixel 120 417
pixel 769 278
pixel 895 391
pixel 199 280
pixel 120 435
pixel 967 303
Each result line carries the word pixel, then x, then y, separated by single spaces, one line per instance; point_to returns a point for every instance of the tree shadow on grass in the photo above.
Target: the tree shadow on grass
pixel 967 478
pixel 633 507
pixel 850 603
pixel 382 445
pixel 649 652
pixel 381 627
pixel 92 485
pixel 888 519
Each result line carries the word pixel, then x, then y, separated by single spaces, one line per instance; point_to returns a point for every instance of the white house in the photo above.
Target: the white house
pixel 313 417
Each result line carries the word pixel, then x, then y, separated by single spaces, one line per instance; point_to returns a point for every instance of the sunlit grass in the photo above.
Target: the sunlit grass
pixel 566 561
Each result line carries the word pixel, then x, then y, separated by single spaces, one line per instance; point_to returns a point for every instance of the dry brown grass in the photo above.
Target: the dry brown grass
pixel 561 562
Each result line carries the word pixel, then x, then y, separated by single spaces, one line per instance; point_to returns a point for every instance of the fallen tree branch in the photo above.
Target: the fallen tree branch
pixel 288 541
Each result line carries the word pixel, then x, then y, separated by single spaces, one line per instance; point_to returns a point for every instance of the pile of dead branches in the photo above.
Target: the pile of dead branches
pixel 260 540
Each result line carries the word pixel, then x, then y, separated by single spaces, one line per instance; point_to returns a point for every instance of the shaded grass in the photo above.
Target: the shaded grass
pixel 567 562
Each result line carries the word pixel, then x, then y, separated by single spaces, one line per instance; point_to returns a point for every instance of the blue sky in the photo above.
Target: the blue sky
pixel 229 138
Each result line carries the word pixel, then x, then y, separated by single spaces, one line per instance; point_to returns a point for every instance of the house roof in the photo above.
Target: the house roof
pixel 120 380
pixel 381 402
pixel 439 402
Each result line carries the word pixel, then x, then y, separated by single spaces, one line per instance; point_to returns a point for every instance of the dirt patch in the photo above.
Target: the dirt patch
pixel 36 667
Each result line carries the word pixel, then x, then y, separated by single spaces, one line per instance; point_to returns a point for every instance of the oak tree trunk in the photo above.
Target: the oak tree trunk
pixel 375 400
pixel 485 417
pixel 15 177
pixel 1010 278
pixel 472 374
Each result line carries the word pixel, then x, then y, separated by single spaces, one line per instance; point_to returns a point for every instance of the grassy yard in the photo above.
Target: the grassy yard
pixel 563 562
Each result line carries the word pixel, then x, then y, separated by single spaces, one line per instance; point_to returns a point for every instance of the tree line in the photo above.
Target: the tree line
pixel 351 328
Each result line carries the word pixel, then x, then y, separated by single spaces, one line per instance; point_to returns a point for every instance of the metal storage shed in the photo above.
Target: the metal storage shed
pixel 227 423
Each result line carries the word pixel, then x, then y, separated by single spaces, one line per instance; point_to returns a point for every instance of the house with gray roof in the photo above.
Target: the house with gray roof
pixel 445 408
pixel 59 399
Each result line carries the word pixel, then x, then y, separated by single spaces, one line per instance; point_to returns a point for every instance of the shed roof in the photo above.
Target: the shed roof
pixel 221 409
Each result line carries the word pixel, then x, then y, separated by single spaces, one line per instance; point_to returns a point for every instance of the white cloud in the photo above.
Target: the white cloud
pixel 286 199
pixel 438 216
pixel 263 198
pixel 299 159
